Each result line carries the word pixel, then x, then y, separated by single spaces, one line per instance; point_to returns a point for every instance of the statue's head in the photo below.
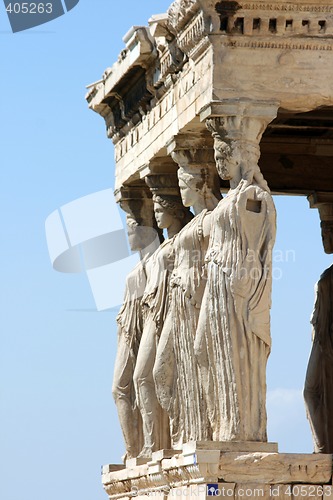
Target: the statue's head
pixel 228 159
pixel 139 237
pixel 198 182
pixel 168 209
pixel 327 235
pixel 237 150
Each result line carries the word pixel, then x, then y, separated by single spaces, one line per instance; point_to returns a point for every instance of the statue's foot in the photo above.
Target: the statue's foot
pixel 146 452
pixel 125 457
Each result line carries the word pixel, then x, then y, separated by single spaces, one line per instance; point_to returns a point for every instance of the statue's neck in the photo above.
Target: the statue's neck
pixel 175 227
pixel 150 249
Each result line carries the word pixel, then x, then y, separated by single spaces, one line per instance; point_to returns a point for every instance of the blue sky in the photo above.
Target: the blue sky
pixel 58 423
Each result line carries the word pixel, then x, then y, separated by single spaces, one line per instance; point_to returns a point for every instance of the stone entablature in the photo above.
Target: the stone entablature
pixel 202 53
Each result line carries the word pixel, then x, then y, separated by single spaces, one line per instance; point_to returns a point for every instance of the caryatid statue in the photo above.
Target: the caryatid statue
pixel 318 390
pixel 143 238
pixel 175 372
pixel 233 336
pixel 170 215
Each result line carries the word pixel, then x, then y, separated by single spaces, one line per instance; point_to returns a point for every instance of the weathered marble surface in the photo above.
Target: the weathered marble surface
pixel 203 53
pixel 231 67
pixel 170 215
pixel 206 324
pixel 232 341
pixel 175 371
pixel 267 475
pixel 318 390
pixel 130 326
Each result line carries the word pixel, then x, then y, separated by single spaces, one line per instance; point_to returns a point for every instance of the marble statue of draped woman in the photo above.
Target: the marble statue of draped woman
pixel 176 372
pixel 233 335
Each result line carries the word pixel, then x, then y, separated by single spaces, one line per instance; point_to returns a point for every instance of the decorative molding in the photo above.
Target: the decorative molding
pixel 158 111
pixel 287 7
pixel 194 32
pixel 266 44
pixel 179 13
pixel 172 60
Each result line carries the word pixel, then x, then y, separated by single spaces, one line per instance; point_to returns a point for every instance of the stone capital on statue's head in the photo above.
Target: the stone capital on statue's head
pixel 327 235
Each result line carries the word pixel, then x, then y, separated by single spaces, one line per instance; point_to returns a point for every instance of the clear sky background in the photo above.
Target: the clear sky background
pixel 58 423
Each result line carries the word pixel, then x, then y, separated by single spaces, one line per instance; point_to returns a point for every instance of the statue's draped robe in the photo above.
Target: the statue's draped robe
pixel 157 291
pixel 233 335
pixel 155 303
pixel 318 391
pixel 130 318
pixel 130 326
pixel 187 412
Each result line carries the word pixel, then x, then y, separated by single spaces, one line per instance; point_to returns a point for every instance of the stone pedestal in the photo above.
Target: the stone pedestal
pixel 226 470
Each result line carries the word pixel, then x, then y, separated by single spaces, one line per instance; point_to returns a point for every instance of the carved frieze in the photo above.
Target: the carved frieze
pixel 281 45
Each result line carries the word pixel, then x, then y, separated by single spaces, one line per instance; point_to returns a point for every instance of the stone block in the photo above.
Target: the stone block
pixel 277 468
pixel 233 446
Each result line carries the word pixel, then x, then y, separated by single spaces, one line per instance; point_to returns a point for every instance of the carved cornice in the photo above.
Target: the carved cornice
pixel 156 67
pixel 195 31
pixel 276 44
pixel 180 12
pixel 254 19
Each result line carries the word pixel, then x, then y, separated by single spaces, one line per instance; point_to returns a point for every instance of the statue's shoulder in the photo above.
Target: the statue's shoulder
pixel 327 274
pixel 137 272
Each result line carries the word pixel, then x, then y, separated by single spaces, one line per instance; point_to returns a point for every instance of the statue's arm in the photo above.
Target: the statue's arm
pixel 257 226
pixel 206 226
